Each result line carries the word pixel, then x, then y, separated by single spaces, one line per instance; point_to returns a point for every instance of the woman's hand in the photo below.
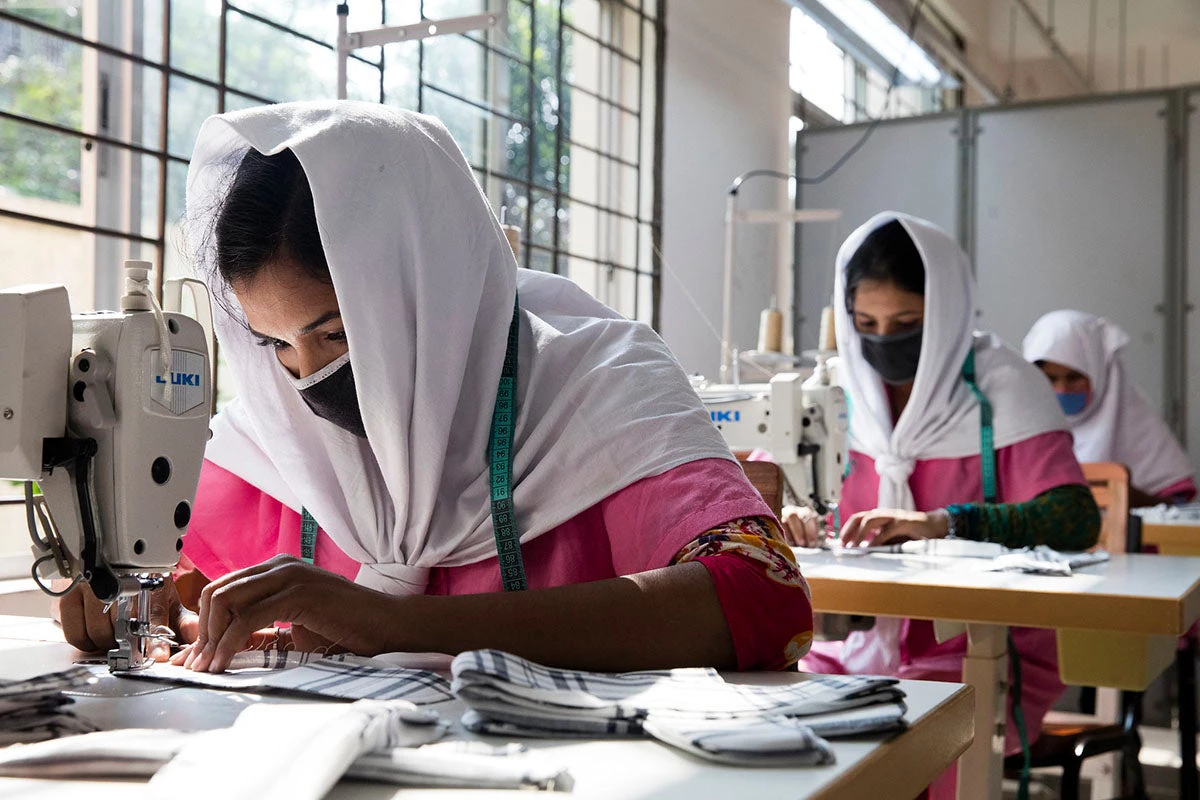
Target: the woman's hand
pixel 88 627
pixel 890 526
pixel 325 610
pixel 802 526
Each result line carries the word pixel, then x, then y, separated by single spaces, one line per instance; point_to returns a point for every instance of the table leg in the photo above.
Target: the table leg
pixel 981 768
pixel 1189 783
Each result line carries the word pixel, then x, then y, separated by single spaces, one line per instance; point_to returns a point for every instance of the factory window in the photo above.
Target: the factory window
pixel 844 57
pixel 100 103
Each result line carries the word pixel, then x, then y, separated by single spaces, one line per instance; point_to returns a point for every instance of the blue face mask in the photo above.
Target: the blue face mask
pixel 1072 402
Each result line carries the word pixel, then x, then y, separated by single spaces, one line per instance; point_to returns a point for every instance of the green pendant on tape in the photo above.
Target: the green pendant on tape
pixel 987 449
pixel 504 521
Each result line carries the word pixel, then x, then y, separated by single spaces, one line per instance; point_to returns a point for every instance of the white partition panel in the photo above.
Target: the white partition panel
pixel 1192 319
pixel 909 165
pixel 1071 213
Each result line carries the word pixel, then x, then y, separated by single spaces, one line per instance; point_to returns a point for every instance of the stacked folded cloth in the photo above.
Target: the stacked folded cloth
pixel 994 557
pixel 36 708
pixel 694 710
pixel 341 676
pixel 390 741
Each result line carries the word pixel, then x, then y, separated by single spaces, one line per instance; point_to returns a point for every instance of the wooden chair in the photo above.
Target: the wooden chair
pixel 1067 744
pixel 1109 482
pixel 767 478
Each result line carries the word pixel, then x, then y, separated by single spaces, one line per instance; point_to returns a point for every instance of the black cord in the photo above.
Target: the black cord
pixel 862 140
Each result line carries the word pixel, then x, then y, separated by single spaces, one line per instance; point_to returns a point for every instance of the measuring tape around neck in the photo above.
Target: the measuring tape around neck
pixel 987 448
pixel 504 523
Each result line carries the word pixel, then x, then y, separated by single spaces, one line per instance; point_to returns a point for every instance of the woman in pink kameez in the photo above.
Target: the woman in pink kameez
pixel 905 310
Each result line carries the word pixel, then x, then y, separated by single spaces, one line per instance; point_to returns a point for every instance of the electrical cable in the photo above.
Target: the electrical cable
pixel 870 129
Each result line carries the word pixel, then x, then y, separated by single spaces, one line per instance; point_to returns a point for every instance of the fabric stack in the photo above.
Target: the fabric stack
pixel 391 742
pixel 988 556
pixel 35 709
pixel 694 710
pixel 341 676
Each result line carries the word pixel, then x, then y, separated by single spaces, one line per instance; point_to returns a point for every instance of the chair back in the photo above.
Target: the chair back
pixel 767 478
pixel 1109 482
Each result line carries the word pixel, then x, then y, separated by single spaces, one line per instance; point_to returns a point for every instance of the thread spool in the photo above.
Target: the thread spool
pixel 827 340
pixel 770 331
pixel 513 234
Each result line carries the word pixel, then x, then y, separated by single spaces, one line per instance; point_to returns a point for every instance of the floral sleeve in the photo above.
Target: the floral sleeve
pixel 764 597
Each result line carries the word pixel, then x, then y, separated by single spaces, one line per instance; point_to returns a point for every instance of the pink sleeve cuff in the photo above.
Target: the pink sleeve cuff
pixel 770 623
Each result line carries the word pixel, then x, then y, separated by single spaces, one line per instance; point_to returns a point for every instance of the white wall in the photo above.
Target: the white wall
pixel 726 107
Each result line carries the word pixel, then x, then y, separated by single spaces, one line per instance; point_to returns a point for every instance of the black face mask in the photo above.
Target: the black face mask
pixel 894 357
pixel 330 394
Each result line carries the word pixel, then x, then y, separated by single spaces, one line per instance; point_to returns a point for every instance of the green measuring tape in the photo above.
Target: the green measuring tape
pixel 308 536
pixel 987 450
pixel 504 419
pixel 504 522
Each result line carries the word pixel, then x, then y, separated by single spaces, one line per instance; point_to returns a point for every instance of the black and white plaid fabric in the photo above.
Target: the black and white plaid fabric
pixel 690 708
pixel 36 709
pixel 1042 560
pixel 340 676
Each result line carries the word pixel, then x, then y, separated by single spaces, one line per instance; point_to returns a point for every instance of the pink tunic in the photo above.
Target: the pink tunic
pixel 1023 471
pixel 1183 491
pixel 639 528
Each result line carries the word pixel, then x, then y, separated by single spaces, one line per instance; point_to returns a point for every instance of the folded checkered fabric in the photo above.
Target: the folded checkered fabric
pixel 340 676
pixel 1043 560
pixel 486 678
pixel 140 752
pixel 694 709
pixel 36 709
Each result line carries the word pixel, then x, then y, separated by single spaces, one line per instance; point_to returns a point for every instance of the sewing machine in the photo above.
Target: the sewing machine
pixel 801 421
pixel 108 413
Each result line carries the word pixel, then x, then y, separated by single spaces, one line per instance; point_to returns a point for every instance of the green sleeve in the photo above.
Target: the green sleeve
pixel 1065 518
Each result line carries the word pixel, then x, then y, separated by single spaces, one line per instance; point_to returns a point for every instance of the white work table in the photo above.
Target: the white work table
pixel 1117 622
pixel 940 717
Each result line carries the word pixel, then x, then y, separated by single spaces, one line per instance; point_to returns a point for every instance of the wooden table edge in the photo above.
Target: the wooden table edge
pixel 902 767
pixel 1001 606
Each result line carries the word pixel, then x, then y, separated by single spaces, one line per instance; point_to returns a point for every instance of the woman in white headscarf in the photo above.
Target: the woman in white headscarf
pixel 488 456
pixel 914 371
pixel 1112 419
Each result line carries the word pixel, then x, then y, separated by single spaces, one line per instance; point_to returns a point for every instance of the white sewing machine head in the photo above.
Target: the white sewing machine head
pixel 108 413
pixel 800 420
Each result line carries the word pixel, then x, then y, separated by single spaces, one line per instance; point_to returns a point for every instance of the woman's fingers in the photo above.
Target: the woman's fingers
pixel 801 526
pixel 895 532
pixel 861 525
pixel 101 628
pixel 866 524
pixel 72 615
pixel 203 624
pixel 240 628
pixel 236 609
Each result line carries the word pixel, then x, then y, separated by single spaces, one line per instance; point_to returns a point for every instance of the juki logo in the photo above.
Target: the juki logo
pixel 725 416
pixel 180 379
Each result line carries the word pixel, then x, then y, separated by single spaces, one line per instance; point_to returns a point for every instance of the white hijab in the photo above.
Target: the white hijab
pixel 1119 423
pixel 425 282
pixel 941 419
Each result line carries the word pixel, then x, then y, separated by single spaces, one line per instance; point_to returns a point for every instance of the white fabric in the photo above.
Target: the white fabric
pixel 941 418
pixel 425 282
pixel 317 742
pixel 1118 423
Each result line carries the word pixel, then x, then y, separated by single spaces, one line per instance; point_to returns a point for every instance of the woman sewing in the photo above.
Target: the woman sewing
pixel 1111 419
pixel 952 434
pixel 501 460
